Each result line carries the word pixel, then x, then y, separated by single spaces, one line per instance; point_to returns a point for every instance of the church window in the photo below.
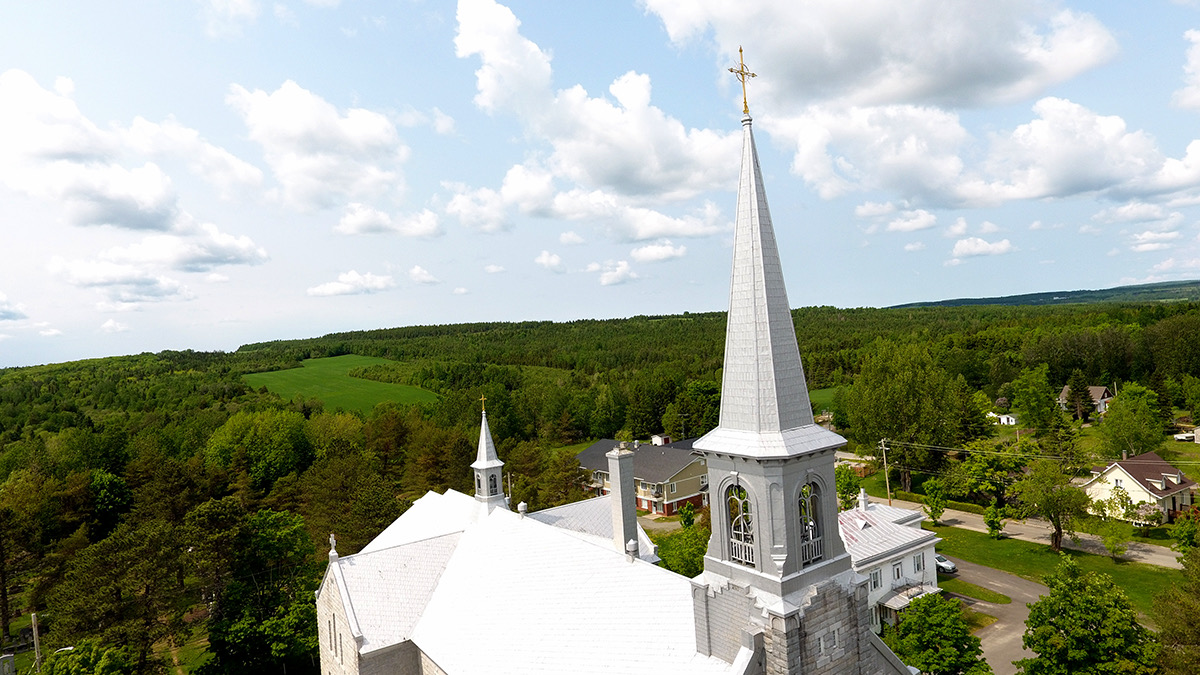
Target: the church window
pixel 741 526
pixel 811 544
pixel 478 484
pixel 491 485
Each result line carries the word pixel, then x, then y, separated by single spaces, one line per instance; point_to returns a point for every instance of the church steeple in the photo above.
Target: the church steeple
pixel 770 466
pixel 489 479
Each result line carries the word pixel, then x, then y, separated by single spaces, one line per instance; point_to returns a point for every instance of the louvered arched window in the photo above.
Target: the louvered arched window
pixel 741 526
pixel 812 547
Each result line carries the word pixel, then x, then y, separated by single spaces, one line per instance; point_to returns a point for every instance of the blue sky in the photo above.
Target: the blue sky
pixel 210 173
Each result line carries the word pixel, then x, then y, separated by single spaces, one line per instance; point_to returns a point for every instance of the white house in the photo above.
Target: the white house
pixel 1005 420
pixel 1147 478
pixel 887 545
pixel 1100 394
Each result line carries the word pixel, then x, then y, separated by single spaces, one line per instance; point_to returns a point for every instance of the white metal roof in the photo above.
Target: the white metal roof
pixel 870 536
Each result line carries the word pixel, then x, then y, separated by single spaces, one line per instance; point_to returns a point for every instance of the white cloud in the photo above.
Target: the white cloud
pixel 973 246
pixel 1149 240
pixel 988 227
pixel 550 261
pixel 915 246
pixel 228 173
pixel 442 123
pixel 124 286
pixel 570 239
pixel 52 152
pixel 1132 212
pixel 493 269
pixel 958 229
pixel 1068 150
pixel 908 149
pixel 114 326
pixel 203 250
pixel 874 209
pixel 421 275
pixel 353 283
pixel 50 332
pixel 881 52
pixel 612 273
pixel 911 221
pixel 320 155
pixel 620 155
pixel 658 252
pixel 481 209
pixel 362 219
pixel 1189 95
pixel 10 311
pixel 226 17
pixel 460 291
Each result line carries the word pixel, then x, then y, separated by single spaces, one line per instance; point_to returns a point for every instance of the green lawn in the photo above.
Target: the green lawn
pixel 956 585
pixel 822 399
pixel 1032 561
pixel 328 380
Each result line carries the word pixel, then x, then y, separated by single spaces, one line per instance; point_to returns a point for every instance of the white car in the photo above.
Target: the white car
pixel 944 565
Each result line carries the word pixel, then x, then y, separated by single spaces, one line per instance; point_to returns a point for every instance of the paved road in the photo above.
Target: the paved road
pixel 1001 641
pixel 1039 531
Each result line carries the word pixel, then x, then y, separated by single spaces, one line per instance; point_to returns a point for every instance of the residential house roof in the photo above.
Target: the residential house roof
pixel 871 535
pixel 651 463
pixel 1098 392
pixel 1155 474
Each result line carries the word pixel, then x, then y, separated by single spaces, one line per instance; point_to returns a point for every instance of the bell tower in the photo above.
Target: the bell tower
pixel 775 567
pixel 489 477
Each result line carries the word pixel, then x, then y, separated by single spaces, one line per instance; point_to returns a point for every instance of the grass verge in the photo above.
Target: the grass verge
pixel 976 619
pixel 1141 582
pixel 956 585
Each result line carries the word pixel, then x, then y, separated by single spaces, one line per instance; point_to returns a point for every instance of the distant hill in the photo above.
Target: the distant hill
pixel 1167 291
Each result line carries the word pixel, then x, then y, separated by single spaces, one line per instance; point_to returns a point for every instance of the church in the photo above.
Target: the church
pixel 462 584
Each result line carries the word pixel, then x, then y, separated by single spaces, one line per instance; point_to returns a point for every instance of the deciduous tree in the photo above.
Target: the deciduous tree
pixel 1047 492
pixel 1131 426
pixel 1175 611
pixel 1085 625
pixel 935 499
pixel 933 637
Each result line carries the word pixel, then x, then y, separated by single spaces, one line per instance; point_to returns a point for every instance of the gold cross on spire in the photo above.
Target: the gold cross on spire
pixel 483 403
pixel 741 72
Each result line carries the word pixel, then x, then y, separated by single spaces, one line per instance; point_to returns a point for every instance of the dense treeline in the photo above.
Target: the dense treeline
pixel 151 497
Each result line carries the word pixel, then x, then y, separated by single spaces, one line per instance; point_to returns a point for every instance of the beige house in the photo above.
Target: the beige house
pixel 1101 395
pixel 1148 479
pixel 665 475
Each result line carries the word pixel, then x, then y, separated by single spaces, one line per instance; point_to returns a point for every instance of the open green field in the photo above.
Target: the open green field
pixel 1032 561
pixel 328 380
pixel 822 399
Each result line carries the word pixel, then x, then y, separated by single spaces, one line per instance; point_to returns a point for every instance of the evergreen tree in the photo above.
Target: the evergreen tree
pixel 1085 625
pixel 1079 396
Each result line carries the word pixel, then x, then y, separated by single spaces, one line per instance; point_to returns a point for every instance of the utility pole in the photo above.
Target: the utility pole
pixel 886 479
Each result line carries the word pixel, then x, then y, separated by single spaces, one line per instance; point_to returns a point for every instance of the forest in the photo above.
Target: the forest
pixel 161 515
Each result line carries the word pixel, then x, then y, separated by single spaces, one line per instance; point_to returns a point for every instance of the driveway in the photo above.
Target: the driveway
pixel 1001 641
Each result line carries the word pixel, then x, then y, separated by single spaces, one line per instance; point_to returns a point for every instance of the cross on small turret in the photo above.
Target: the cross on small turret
pixel 483 403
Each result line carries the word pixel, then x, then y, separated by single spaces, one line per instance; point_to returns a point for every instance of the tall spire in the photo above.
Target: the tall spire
pixel 489 487
pixel 764 388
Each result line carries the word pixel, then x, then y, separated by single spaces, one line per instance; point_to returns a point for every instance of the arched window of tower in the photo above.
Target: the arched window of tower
pixel 811 545
pixel 741 525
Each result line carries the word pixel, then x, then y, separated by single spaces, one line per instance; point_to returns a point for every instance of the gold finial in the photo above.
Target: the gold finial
pixel 742 73
pixel 483 403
